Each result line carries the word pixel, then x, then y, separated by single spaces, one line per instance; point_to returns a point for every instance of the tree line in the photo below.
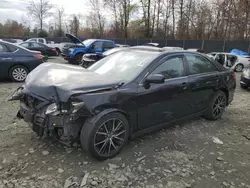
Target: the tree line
pixel 163 19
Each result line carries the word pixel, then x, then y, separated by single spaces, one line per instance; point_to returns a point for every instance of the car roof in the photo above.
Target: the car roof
pixel 104 40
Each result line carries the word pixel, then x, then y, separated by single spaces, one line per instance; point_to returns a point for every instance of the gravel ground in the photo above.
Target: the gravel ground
pixel 198 153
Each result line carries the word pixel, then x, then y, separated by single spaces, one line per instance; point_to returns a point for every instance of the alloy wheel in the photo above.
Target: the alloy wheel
pixel 109 137
pixel 219 106
pixel 19 74
pixel 239 68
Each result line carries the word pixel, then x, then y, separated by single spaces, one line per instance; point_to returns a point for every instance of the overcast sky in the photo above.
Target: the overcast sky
pixel 16 9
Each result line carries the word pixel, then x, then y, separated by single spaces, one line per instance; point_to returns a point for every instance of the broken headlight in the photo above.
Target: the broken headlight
pixel 52 109
pixel 76 106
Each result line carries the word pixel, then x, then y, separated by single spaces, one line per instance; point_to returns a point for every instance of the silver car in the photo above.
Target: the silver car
pixel 232 61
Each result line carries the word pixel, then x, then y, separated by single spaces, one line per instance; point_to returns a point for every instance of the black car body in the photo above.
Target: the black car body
pixel 16 62
pixel 123 95
pixel 245 79
pixel 36 46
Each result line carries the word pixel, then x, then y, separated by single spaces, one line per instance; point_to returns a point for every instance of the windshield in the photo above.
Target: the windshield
pixel 88 42
pixel 123 65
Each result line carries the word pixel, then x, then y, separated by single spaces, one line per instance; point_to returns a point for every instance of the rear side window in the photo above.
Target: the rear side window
pixel 40 40
pixel 12 48
pixel 108 45
pixel 198 64
pixel 171 68
pixel 3 48
pixel 26 45
pixel 97 45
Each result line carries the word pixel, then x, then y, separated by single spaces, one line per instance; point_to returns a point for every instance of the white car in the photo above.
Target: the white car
pixel 172 48
pixel 232 61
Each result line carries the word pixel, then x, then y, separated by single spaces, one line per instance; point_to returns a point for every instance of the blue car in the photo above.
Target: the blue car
pixel 74 53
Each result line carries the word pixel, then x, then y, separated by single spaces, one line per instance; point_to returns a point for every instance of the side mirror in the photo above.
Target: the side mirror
pixel 155 78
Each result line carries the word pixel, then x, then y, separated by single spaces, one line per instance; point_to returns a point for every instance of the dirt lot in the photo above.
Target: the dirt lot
pixel 199 154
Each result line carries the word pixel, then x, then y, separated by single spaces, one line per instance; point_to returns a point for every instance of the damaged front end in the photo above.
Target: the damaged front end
pixel 51 118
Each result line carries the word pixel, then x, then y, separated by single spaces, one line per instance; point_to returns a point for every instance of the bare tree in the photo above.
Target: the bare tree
pixel 40 10
pixel 59 16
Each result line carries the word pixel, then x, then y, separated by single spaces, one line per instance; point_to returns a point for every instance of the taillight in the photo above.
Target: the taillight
pixel 248 60
pixel 53 49
pixel 234 75
pixel 38 56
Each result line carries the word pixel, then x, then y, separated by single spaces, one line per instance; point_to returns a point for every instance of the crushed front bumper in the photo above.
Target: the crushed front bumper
pixel 63 127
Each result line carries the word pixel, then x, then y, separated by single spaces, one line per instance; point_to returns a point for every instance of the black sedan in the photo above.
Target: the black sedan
pixel 245 79
pixel 123 95
pixel 45 50
pixel 16 62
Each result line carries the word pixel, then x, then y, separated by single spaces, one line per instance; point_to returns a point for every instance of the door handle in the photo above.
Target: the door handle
pixel 6 58
pixel 184 85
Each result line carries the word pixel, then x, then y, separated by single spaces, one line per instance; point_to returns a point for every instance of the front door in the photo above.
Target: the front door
pixel 203 79
pixel 5 60
pixel 161 103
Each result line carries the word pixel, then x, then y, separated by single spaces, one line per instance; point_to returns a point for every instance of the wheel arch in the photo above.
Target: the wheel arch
pixel 20 64
pixel 110 110
pixel 58 49
pixel 224 90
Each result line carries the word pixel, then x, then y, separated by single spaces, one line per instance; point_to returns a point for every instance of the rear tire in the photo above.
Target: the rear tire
pixel 239 67
pixel 104 137
pixel 58 52
pixel 217 106
pixel 18 73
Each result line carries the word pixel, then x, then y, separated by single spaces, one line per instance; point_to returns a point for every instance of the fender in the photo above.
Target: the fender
pixel 106 111
pixel 79 50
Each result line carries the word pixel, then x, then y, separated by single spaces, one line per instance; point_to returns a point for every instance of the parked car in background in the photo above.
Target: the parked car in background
pixel 172 48
pixel 44 49
pixel 151 44
pixel 90 59
pixel 245 78
pixel 228 60
pixel 124 95
pixel 74 53
pixel 196 50
pixel 16 62
pixel 122 45
pixel 51 44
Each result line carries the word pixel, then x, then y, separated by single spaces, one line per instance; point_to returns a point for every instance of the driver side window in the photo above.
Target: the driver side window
pixel 171 68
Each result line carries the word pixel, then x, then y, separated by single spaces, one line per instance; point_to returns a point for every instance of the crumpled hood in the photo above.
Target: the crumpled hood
pixel 59 81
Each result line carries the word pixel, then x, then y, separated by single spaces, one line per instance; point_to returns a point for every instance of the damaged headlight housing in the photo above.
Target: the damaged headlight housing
pixel 70 107
pixel 76 106
pixel 52 109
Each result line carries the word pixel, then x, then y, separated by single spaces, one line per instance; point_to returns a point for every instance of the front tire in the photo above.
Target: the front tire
pixel 18 73
pixel 104 137
pixel 217 106
pixel 78 58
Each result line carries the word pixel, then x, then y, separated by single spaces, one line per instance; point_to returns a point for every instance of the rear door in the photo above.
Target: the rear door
pixel 96 47
pixel 107 45
pixel 203 79
pixel 6 57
